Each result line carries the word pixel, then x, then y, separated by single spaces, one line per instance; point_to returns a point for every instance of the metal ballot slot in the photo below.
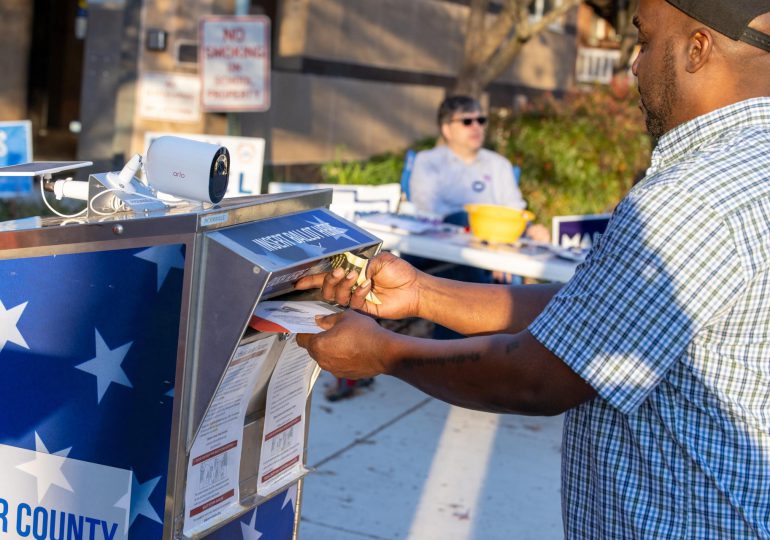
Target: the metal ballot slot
pixel 120 342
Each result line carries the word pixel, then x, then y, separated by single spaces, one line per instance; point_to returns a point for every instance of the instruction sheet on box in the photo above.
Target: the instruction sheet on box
pixel 291 317
pixel 212 492
pixel 283 441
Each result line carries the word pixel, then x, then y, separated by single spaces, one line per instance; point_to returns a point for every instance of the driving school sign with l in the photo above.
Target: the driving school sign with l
pixel 234 59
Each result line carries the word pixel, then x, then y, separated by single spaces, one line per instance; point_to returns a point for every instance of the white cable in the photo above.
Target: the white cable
pixel 51 208
pixel 118 207
pixel 120 182
pixel 115 207
pixel 69 221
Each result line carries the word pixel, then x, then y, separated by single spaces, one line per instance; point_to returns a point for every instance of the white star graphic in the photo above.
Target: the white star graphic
pixel 330 230
pixel 9 319
pixel 106 366
pixel 125 503
pixel 291 497
pixel 268 259
pixel 140 499
pixel 166 257
pixel 47 468
pixel 249 531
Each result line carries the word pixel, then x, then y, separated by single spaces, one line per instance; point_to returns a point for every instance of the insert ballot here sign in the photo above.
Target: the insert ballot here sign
pixel 234 59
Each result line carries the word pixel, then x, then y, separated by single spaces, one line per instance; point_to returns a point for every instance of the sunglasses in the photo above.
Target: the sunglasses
pixel 481 120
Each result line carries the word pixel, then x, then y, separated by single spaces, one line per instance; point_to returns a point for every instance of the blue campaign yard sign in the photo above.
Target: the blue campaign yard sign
pixel 15 148
pixel 578 231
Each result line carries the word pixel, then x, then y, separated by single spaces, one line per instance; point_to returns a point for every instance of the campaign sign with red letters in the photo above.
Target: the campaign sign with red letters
pixel 234 59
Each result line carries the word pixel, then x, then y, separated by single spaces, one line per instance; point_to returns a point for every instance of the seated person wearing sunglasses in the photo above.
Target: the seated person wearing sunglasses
pixel 451 175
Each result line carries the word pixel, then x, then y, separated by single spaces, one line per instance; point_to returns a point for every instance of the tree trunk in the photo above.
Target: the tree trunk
pixel 475 32
pixel 468 84
pixel 489 50
pixel 626 29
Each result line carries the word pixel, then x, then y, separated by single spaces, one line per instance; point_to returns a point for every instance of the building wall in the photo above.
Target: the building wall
pixel 380 68
pixel 15 38
pixel 423 36
pixel 180 20
pixel 418 37
pixel 351 78
pixel 317 119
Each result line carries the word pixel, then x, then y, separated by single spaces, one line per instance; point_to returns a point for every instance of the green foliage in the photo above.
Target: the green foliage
pixel 381 169
pixel 579 155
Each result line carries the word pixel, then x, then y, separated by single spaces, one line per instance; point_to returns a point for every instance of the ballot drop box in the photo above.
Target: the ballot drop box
pixel 136 400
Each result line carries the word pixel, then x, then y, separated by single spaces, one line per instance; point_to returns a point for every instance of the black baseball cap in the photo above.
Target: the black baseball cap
pixel 729 17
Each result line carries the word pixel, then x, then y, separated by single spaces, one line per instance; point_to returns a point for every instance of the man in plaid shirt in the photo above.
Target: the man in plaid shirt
pixel 659 347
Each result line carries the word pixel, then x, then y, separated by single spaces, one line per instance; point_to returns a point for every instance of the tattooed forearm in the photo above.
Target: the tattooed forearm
pixel 512 346
pixel 455 359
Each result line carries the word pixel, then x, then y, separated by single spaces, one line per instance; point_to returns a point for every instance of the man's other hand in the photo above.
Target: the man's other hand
pixel 353 346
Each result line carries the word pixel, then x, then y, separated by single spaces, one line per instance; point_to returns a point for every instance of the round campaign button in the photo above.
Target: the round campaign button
pixel 478 186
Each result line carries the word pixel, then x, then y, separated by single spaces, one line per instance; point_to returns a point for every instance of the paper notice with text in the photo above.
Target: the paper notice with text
pixel 212 492
pixel 283 441
pixel 290 317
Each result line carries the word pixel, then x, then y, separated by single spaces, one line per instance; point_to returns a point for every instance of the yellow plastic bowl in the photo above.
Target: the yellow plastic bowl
pixel 497 224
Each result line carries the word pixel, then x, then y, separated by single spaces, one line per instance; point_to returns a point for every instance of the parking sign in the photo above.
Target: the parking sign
pixel 15 148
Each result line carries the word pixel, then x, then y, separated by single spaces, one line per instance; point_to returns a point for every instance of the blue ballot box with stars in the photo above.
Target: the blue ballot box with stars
pixel 117 334
pixel 88 349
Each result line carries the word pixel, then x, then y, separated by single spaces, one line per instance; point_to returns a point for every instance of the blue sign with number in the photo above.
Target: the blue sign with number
pixel 15 148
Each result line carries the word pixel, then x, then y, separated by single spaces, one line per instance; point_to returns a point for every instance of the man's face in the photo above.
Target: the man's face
pixel 655 68
pixel 465 131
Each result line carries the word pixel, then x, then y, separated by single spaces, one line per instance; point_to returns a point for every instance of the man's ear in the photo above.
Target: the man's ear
pixel 700 47
pixel 445 131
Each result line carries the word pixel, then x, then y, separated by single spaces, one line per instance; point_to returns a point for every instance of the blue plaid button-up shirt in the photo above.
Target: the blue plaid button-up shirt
pixel 669 320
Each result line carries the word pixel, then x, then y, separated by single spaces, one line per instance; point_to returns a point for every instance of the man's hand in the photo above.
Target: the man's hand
pixel 353 346
pixel 393 280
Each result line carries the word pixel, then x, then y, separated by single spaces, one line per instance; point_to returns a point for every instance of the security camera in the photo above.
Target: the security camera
pixel 188 169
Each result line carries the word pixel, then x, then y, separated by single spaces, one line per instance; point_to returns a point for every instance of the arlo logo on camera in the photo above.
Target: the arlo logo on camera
pixel 205 174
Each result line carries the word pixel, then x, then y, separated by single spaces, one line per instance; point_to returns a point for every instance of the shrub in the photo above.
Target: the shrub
pixel 381 169
pixel 579 155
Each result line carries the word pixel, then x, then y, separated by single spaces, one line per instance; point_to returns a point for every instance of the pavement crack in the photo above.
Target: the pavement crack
pixel 342 529
pixel 365 438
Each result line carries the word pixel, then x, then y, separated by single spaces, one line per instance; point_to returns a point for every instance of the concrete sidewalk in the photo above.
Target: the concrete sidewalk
pixel 392 463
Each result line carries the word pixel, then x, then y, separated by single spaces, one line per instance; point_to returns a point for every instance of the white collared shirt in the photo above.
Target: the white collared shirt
pixel 442 183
